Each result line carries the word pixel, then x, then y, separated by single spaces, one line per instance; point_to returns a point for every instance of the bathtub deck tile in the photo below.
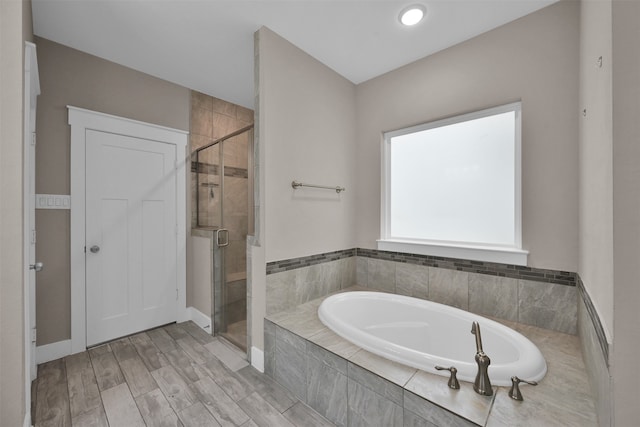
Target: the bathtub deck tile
pixel 412 420
pixel 291 363
pixel 368 408
pixel 328 340
pixel 285 336
pixel 464 402
pixel 269 348
pixel 327 390
pixel 305 312
pixel 304 328
pixel 397 373
pixel 303 322
pixel 374 383
pixel 328 358
pixel 425 396
pixel 508 412
pixel 432 415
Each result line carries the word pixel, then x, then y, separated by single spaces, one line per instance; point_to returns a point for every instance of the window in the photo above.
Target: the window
pixel 452 187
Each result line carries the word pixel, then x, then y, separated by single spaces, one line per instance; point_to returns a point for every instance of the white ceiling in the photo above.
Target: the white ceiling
pixel 207 45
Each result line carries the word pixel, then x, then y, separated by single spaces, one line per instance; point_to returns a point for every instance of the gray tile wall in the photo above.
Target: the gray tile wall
pixel 294 263
pixel 595 359
pixel 543 298
pixel 480 267
pixel 327 384
pixel 290 288
pixel 544 304
pixel 291 362
pixel 343 392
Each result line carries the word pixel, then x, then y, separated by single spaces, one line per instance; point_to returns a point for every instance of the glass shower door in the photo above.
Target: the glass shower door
pixel 209 216
pixel 223 207
pixel 232 241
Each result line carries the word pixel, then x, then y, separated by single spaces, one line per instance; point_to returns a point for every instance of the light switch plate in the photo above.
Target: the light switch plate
pixel 53 201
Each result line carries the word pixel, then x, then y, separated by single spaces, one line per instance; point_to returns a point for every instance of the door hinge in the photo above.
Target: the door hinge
pixel 34 335
pixel 33 237
pixel 176 294
pixel 33 138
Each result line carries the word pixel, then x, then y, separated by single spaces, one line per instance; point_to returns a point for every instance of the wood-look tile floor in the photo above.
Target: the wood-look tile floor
pixel 176 375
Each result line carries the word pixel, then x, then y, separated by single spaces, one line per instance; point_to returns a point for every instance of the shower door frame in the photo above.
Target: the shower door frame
pixel 218 288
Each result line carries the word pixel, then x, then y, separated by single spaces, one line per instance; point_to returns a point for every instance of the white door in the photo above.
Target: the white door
pixel 130 208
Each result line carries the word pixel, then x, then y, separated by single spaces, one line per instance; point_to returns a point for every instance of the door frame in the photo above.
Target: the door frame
pixel 31 92
pixel 80 120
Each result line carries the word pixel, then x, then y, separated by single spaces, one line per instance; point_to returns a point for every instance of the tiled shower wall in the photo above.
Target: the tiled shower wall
pixel 543 298
pixel 211 119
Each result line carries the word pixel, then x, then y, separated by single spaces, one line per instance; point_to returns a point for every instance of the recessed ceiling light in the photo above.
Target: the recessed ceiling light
pixel 412 15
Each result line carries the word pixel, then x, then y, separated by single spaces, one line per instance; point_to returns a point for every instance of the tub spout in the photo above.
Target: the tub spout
pixel 475 330
pixel 482 384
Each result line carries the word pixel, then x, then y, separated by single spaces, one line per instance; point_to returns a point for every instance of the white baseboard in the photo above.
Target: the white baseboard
pixel 199 318
pixel 257 359
pixel 53 351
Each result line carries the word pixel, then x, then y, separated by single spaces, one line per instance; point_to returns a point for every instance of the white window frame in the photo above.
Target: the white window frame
pixel 480 252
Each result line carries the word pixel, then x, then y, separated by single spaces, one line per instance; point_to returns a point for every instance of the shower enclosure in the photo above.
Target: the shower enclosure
pixel 222 172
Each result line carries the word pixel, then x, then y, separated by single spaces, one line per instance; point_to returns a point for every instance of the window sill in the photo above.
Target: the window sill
pixel 511 256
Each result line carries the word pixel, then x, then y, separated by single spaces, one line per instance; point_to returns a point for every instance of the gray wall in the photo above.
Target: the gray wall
pixel 610 200
pixel 15 29
pixel 595 264
pixel 310 132
pixel 306 130
pixel 596 150
pixel 70 77
pixel 626 205
pixel 534 59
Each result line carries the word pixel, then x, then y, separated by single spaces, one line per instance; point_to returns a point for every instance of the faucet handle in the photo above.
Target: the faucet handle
pixel 453 379
pixel 514 393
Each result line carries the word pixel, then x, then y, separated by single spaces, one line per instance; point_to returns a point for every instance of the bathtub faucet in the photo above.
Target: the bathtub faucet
pixel 482 385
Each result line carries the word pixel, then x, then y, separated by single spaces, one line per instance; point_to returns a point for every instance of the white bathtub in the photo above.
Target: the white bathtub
pixel 423 334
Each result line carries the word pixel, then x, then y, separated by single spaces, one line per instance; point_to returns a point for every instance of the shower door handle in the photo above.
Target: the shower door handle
pixel 222 237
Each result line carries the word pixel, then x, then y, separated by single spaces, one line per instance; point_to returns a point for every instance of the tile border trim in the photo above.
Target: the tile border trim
pixel 595 320
pixel 211 169
pixel 306 261
pixel 480 267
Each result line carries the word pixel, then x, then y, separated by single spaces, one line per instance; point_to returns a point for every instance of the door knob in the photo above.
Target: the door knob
pixel 95 249
pixel 38 266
